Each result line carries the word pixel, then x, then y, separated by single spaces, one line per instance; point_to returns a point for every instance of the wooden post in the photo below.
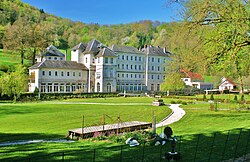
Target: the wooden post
pixel 82 124
pixel 154 123
pixel 118 124
pixel 103 122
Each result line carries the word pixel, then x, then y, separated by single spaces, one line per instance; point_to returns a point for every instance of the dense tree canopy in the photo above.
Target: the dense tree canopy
pixel 216 37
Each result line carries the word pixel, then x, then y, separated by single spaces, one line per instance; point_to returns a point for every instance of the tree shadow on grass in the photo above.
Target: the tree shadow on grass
pixel 217 146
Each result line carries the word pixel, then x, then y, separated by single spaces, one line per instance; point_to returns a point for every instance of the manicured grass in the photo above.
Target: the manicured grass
pixel 52 119
pixel 200 119
pixel 56 118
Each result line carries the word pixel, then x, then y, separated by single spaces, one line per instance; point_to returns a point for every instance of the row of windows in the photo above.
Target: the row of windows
pixel 55 58
pixel 136 87
pixel 140 76
pixel 139 67
pixel 61 73
pixel 106 60
pixel 135 67
pixel 135 58
pixel 60 87
pixel 131 58
pixel 153 59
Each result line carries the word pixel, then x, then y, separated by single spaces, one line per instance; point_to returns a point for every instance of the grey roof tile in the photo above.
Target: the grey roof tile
pixel 52 51
pixel 58 65
pixel 125 49
pixel 81 46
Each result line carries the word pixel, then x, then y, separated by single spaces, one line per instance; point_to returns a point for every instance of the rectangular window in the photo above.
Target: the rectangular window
pixel 131 58
pixel 127 66
pixel 131 67
pixel 111 60
pixel 67 87
pixel 158 77
pixel 135 58
pixel 127 75
pixel 158 87
pixel 73 87
pixel 139 58
pixel 49 73
pixel 55 73
pixel 153 68
pixel 106 60
pixel 43 87
pixel 43 73
pixel 158 68
pixel 152 76
pixel 153 59
pixel 62 73
pixel 135 67
pixel 131 75
pixel 55 87
pixel 139 67
pixel 61 87
pixel 159 60
pixel 135 75
pixel 79 86
pixel 80 74
pixel 122 66
pixel 123 75
pixel 98 59
pixel 74 73
pixel 152 87
pixel 127 57
pixel 122 57
pixel 49 87
pixel 93 60
pixel 118 66
pixel 67 73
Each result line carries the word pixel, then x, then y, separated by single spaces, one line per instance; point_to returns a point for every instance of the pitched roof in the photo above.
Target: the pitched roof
pixel 81 46
pixel 193 76
pixel 156 51
pixel 58 65
pixel 52 51
pixel 106 52
pixel 125 49
pixel 224 79
pixel 93 47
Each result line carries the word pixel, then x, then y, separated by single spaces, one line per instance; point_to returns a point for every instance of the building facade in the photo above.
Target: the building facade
pixel 104 69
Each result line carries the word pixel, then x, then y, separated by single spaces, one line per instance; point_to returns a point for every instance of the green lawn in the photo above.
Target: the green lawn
pixel 52 119
pixel 55 118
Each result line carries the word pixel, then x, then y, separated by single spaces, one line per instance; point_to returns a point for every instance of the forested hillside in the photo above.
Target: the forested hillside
pixel 42 29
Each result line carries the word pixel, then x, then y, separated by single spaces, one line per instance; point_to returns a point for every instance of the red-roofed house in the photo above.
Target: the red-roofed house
pixel 195 80
pixel 227 84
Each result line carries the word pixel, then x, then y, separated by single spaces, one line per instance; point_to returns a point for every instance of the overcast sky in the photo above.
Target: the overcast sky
pixel 109 11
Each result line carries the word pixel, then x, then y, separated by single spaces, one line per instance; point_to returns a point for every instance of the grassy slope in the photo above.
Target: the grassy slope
pixel 10 59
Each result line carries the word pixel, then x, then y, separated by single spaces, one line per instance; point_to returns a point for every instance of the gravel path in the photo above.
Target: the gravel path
pixel 176 115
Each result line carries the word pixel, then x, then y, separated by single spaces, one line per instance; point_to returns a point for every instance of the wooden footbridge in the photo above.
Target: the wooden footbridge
pixel 107 129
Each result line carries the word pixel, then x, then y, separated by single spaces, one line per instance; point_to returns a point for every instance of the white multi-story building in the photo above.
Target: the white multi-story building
pixel 107 69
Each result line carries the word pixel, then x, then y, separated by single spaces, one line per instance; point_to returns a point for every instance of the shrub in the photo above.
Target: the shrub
pixel 172 102
pixel 212 97
pixel 204 97
pixel 235 98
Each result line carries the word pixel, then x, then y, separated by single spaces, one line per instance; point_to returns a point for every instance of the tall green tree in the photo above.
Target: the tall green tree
pixel 17 37
pixel 222 28
pixel 14 83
